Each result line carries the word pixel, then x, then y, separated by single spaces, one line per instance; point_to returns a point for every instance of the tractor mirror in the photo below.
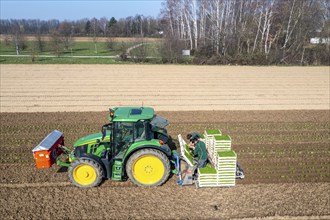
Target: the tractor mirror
pixel 105 128
pixel 103 135
pixel 104 131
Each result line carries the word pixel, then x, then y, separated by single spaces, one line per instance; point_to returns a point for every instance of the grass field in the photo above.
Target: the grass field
pixel 80 47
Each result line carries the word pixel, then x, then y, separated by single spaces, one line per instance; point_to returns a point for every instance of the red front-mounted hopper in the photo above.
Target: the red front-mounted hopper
pixel 49 149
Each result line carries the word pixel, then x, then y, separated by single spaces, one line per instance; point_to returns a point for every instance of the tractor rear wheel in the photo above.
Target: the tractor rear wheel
pixel 148 167
pixel 84 173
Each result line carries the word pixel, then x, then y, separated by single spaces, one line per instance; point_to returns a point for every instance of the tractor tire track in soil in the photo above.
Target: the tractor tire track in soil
pixel 285 155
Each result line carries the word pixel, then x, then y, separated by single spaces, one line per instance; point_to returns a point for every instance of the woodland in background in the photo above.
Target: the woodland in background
pixel 249 32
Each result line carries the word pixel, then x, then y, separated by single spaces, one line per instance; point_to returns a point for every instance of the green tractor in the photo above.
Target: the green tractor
pixel 134 145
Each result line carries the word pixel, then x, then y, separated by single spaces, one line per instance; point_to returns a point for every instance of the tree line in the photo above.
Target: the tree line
pixel 103 27
pixel 62 33
pixel 215 31
pixel 248 31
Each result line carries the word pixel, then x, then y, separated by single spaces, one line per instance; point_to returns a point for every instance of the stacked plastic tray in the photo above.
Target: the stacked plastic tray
pixel 207 177
pixel 222 143
pixel 223 173
pixel 226 168
pixel 209 142
pixel 209 134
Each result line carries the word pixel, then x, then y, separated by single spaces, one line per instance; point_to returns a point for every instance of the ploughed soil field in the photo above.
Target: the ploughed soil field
pixel 285 155
pixel 78 88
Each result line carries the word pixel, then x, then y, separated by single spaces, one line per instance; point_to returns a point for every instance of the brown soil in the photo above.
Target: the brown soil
pixel 81 88
pixel 166 202
pixel 285 155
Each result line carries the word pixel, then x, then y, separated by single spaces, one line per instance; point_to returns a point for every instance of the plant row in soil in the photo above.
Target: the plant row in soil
pixel 291 150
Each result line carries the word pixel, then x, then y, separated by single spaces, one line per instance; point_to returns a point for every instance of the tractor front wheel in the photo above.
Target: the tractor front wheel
pixel 148 167
pixel 84 172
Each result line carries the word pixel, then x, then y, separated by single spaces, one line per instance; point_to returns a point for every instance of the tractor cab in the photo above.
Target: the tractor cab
pixel 133 125
pixel 127 133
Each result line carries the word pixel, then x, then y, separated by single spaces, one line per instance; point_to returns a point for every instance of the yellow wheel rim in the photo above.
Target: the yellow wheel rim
pixel 148 170
pixel 84 174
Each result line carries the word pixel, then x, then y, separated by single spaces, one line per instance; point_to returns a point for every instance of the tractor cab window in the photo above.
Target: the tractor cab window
pixel 139 131
pixel 126 133
pixel 123 136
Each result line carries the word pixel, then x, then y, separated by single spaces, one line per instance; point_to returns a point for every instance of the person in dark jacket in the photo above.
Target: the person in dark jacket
pixel 199 149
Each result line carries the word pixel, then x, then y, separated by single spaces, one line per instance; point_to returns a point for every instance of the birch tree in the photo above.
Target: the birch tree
pixel 251 28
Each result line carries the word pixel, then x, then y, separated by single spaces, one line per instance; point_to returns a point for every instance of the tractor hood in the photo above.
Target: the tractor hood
pixel 92 138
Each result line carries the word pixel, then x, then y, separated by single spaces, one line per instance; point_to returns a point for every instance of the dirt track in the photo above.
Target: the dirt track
pixel 51 88
pixel 285 155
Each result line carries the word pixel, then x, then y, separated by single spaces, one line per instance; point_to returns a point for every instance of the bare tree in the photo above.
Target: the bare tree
pixel 110 43
pixel 35 51
pixel 95 26
pixel 56 43
pixel 39 43
pixel 139 52
pixel 66 31
pixel 103 22
pixel 7 40
pixel 123 51
pixel 17 31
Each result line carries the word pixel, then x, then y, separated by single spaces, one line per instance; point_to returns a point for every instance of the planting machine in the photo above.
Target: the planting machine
pixel 136 145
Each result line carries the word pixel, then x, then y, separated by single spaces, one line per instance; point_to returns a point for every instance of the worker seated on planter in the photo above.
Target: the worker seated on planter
pixel 199 150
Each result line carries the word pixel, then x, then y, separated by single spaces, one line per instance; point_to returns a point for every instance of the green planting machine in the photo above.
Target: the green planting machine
pixel 222 169
pixel 136 145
